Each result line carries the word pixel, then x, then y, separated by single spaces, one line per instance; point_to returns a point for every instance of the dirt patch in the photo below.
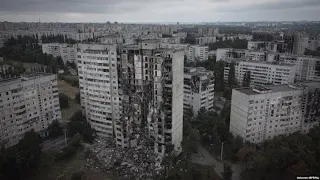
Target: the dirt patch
pixel 67 89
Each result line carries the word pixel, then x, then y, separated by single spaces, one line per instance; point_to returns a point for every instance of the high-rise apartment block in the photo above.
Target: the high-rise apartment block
pixel 99 87
pixel 133 93
pixel 262 113
pixel 26 103
pixel 198 90
pixel 67 52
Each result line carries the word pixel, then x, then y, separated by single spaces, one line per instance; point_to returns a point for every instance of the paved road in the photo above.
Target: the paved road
pixel 203 157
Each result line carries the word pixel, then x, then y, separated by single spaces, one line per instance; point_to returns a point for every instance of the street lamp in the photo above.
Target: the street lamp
pixel 221 151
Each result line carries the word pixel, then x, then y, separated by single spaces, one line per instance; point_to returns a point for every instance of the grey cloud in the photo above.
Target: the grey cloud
pixel 274 6
pixel 69 6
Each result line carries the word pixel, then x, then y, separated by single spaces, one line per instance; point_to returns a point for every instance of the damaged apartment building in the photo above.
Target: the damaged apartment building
pixel 133 93
pixel 198 90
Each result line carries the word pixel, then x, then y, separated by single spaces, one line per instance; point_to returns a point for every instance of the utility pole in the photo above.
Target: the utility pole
pixel 65 136
pixel 221 151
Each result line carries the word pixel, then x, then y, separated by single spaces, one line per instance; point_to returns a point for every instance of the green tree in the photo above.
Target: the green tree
pixel 60 61
pixel 246 79
pixel 78 124
pixel 55 130
pixel 190 39
pixel 29 150
pixel 227 172
pixel 77 98
pixel 219 76
pixel 231 76
pixel 64 101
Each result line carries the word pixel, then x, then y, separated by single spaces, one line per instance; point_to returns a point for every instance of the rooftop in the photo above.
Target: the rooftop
pixel 258 62
pixel 23 78
pixel 278 88
pixel 193 71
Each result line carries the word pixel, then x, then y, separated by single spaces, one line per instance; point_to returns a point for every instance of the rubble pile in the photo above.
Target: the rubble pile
pixel 134 163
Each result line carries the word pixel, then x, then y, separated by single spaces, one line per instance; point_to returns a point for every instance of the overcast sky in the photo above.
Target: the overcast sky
pixel 158 10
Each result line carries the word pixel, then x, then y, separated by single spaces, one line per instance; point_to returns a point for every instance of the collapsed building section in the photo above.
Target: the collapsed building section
pixel 152 83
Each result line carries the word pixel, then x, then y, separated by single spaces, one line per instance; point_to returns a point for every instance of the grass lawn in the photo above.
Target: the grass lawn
pixel 70 91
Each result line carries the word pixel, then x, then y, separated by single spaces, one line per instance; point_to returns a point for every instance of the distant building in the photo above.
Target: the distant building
pixel 263 73
pixel 308 67
pixel 313 43
pixel 198 90
pixel 185 47
pixel 2 41
pixel 208 32
pixel 197 53
pixel 26 103
pixel 111 39
pixel 206 40
pixel 230 53
pixel 262 113
pixel 67 52
pixel 300 43
pixel 259 45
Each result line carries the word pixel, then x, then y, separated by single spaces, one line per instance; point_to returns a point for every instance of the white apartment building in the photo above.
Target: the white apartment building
pixel 26 103
pixel 111 39
pixel 206 40
pixel 259 45
pixel 224 54
pixel 67 52
pixel 198 90
pixel 308 67
pixel 256 55
pixel 171 40
pixel 152 84
pixel 198 53
pixel 262 113
pixel 99 88
pixel 263 73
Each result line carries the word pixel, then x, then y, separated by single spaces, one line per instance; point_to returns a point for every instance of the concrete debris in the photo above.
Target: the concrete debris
pixel 135 163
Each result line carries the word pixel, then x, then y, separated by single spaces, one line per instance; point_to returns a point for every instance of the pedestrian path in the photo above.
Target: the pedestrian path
pixel 203 157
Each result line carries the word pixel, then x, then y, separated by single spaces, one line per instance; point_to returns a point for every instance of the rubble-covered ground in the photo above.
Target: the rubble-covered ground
pixel 133 163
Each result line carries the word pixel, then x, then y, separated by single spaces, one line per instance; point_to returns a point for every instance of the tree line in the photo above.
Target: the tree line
pixel 59 38
pixel 236 44
pixel 26 50
pixel 20 161
pixel 283 157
